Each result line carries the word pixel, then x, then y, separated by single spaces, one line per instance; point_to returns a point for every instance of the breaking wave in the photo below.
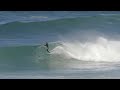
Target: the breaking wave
pixel 101 49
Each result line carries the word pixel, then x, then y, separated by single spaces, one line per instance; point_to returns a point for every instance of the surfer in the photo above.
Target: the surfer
pixel 47 47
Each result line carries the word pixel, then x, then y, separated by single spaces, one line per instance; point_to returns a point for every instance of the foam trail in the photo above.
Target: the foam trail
pixel 100 50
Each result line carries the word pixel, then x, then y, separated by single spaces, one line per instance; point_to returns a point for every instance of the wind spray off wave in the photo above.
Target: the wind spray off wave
pixel 100 50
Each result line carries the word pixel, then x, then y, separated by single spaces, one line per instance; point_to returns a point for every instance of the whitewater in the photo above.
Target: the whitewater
pixel 82 44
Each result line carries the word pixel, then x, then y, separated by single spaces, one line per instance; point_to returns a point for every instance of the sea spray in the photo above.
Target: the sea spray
pixel 101 49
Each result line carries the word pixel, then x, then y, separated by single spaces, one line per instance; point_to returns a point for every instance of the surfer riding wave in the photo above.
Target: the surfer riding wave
pixel 47 46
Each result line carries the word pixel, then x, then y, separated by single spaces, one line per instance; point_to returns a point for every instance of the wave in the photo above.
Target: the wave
pixel 8 17
pixel 100 53
pixel 100 50
pixel 57 27
pixel 83 18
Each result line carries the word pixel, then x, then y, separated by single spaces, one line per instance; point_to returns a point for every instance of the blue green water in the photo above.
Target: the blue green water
pixel 82 44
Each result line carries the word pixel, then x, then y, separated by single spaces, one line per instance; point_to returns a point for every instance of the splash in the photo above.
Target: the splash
pixel 101 50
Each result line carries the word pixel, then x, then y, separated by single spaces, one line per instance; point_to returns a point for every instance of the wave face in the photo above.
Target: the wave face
pixel 76 40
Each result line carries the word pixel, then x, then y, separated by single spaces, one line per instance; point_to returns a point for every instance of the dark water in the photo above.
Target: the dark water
pixel 81 44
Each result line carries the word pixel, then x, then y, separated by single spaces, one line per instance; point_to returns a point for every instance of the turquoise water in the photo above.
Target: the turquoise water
pixel 82 44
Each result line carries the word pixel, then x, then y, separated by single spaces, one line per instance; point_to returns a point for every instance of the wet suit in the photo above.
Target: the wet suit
pixel 47 47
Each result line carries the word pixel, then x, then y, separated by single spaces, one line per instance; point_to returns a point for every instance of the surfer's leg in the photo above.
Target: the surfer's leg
pixel 48 50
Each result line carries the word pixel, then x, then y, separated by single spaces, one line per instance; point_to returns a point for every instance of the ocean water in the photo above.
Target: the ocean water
pixel 82 44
